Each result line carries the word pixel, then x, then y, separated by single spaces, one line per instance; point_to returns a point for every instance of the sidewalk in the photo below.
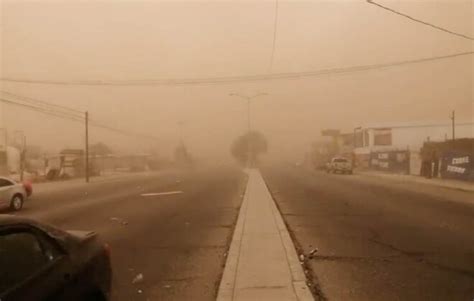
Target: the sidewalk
pixel 445 183
pixel 262 263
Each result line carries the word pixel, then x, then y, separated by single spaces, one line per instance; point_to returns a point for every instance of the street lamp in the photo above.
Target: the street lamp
pixel 248 98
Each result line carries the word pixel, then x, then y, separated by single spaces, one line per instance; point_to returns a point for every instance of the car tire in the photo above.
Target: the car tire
pixel 16 203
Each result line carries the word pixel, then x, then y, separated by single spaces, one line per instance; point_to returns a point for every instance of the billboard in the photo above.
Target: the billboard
pixel 456 165
pixel 390 161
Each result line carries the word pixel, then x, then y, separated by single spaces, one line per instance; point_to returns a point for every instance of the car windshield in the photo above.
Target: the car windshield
pixel 239 150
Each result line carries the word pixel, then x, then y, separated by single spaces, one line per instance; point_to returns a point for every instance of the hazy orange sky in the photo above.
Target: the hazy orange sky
pixel 133 40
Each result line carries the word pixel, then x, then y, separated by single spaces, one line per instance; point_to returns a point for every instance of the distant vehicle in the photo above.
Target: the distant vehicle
pixel 39 262
pixel 339 164
pixel 14 194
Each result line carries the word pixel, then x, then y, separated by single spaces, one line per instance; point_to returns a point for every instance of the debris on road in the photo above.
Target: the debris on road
pixel 119 220
pixel 138 279
pixel 167 286
pixel 140 291
pixel 312 253
pixel 161 193
pixel 302 257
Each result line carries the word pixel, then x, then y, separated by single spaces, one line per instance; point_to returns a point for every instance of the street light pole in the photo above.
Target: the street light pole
pixel 248 98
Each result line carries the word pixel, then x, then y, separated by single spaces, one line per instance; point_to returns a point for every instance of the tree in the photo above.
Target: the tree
pixel 247 148
pixel 100 149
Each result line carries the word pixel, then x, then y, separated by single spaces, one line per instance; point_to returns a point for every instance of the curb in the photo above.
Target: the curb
pixel 303 293
pixel 227 284
pixel 415 181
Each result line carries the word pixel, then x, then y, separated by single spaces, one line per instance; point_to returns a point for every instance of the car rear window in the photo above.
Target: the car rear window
pixel 20 257
pixel 5 183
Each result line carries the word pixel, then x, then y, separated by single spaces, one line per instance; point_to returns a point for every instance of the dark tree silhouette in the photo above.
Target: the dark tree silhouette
pixel 247 148
pixel 100 149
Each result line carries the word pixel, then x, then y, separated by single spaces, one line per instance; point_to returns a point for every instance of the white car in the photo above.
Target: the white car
pixel 339 164
pixel 13 194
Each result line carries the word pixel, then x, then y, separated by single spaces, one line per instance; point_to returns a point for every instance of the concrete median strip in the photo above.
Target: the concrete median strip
pixel 262 263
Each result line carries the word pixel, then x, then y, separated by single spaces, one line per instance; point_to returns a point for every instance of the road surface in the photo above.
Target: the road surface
pixel 378 239
pixel 177 241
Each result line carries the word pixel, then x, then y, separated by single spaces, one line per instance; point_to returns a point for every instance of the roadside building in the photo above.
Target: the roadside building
pixel 10 161
pixel 396 147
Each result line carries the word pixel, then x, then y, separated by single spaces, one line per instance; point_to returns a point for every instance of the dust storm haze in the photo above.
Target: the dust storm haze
pixel 120 41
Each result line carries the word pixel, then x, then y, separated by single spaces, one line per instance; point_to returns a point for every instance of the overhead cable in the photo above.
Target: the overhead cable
pixel 235 79
pixel 420 21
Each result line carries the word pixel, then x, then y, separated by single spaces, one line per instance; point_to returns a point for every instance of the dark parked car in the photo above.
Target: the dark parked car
pixel 39 262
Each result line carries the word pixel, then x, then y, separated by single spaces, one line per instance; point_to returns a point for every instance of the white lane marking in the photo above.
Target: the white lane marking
pixel 161 193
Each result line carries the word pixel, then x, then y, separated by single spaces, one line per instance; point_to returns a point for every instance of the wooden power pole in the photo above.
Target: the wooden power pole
pixel 453 119
pixel 87 146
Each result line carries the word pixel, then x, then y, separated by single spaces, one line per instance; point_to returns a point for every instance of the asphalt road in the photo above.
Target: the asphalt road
pixel 378 239
pixel 178 242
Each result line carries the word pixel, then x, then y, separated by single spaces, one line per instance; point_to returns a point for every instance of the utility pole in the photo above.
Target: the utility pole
pixel 23 159
pixel 453 119
pixel 249 146
pixel 354 145
pixel 87 146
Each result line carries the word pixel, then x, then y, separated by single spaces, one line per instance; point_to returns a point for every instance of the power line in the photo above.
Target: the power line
pixel 235 79
pixel 123 132
pixel 76 118
pixel 275 27
pixel 420 21
pixel 41 102
pixel 41 110
pixel 44 107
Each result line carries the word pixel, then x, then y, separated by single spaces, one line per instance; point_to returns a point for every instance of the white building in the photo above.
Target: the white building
pixel 403 136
